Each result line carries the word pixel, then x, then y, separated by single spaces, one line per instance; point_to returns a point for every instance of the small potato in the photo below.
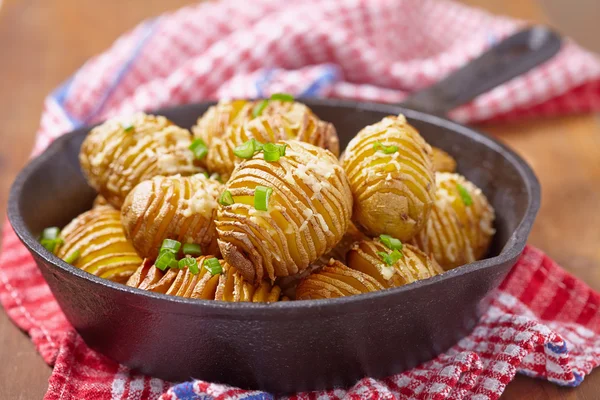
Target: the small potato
pixel 215 121
pixel 390 170
pixel 460 228
pixel 226 286
pixel 279 121
pixel 442 161
pixel 336 280
pixel 413 266
pixel 116 156
pixel 98 237
pixel 308 212
pixel 173 207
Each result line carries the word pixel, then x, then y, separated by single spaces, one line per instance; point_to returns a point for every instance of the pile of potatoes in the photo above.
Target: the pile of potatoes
pixel 258 191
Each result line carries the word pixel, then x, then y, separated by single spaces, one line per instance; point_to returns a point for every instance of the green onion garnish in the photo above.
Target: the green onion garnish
pixel 259 108
pixel 390 242
pixel 216 177
pixel 49 238
pixel 271 152
pixel 282 97
pixel 128 128
pixel 390 259
pixel 213 266
pixel 464 195
pixel 190 263
pixel 170 245
pixel 72 257
pixel 165 260
pixel 199 148
pixel 282 148
pixel 205 174
pixel 247 150
pixel 385 149
pixel 226 199
pixel 51 233
pixel 261 197
pixel 192 249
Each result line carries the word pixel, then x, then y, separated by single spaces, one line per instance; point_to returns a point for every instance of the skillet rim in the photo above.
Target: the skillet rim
pixel 511 250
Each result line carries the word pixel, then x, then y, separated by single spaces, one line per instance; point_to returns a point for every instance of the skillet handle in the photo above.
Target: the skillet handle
pixel 508 59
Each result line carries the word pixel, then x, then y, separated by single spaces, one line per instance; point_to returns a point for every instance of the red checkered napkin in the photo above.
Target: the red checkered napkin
pixel 541 322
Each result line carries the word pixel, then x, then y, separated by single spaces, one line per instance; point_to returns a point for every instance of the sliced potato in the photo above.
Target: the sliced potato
pixel 390 170
pixel 119 154
pixel 414 264
pixel 442 161
pixel 308 212
pixel 335 280
pixel 460 228
pixel 174 207
pixel 98 237
pixel 215 121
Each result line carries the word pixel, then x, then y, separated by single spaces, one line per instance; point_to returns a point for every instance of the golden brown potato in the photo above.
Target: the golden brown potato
pixel 442 161
pixel 414 264
pixel 98 238
pixel 390 170
pixel 116 156
pixel 174 207
pixel 213 123
pixel 226 286
pixel 460 228
pixel 308 212
pixel 100 201
pixel 335 280
pixel 295 121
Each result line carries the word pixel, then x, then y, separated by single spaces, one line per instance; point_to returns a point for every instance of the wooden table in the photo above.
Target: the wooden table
pixel 44 41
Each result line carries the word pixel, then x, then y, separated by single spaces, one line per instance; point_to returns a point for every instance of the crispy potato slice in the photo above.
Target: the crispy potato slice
pixel 459 230
pixel 390 170
pixel 175 207
pixel 119 154
pixel 308 212
pixel 103 249
pixel 215 121
pixel 442 161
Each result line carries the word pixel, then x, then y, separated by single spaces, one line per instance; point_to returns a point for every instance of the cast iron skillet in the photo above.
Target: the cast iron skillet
pixel 288 346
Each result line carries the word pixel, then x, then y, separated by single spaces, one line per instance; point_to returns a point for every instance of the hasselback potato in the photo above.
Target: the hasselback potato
pixel 177 207
pixel 335 280
pixel 213 123
pixel 460 228
pixel 96 242
pixel 308 212
pixel 116 156
pixel 368 257
pixel 227 285
pixel 390 170
pixel 442 161
pixel 279 121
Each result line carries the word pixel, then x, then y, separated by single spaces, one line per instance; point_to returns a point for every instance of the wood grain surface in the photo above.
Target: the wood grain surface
pixel 44 41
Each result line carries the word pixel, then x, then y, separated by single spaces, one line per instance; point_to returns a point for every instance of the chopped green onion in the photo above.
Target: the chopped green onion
pixel 259 108
pixel 50 244
pixel 170 245
pixel 246 150
pixel 174 264
pixel 226 199
pixel 190 263
pixel 282 97
pixel 128 128
pixel 282 148
pixel 194 267
pixel 213 266
pixel 464 195
pixel 165 260
pixel 261 197
pixel 216 177
pixel 192 249
pixel 72 257
pixel 390 242
pixel 199 148
pixel 385 149
pixel 271 152
pixel 390 259
pixel 205 174
pixel 50 233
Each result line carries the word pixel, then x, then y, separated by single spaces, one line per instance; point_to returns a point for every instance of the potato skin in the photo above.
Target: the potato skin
pixel 279 121
pixel 215 121
pixel 335 280
pixel 413 266
pixel 309 212
pixel 227 286
pixel 442 161
pixel 104 250
pixel 115 159
pixel 173 207
pixel 457 234
pixel 393 193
